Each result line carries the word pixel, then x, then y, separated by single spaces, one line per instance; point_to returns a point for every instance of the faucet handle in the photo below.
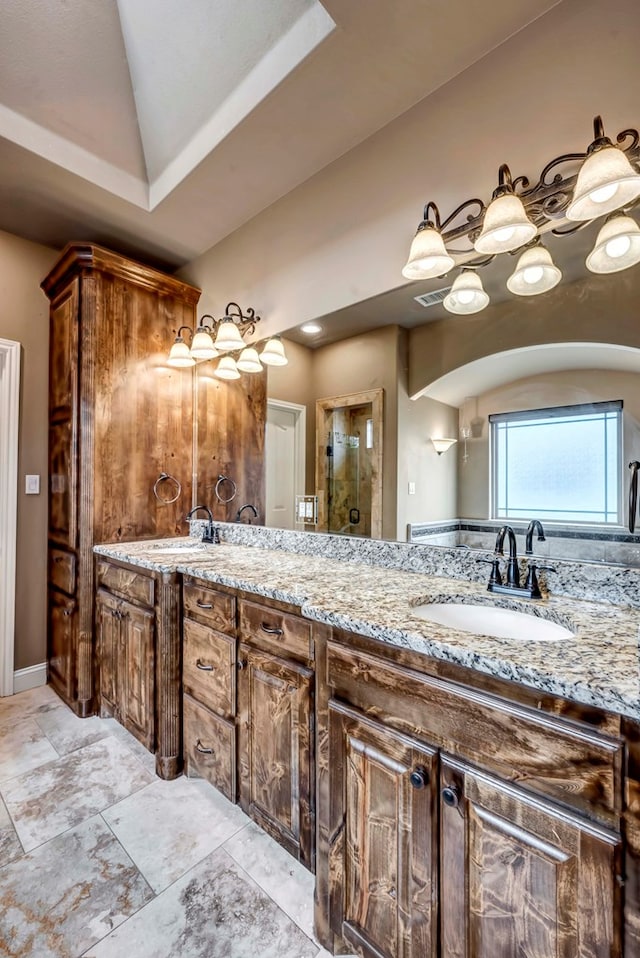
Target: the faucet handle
pixel 545 568
pixel 495 578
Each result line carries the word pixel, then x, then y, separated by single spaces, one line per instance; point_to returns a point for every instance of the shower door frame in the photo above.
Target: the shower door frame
pixel 324 407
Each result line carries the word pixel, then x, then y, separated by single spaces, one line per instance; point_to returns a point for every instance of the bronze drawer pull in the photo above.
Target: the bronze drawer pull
pixel 201 748
pixel 242 664
pixel 204 668
pixel 203 605
pixel 269 631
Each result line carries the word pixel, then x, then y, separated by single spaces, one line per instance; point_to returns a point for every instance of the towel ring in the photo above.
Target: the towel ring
pixel 165 477
pixel 221 479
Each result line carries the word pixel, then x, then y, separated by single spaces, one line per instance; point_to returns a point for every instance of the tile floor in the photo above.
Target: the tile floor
pixel 99 858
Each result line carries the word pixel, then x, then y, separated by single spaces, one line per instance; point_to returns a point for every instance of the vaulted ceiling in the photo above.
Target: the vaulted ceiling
pixel 160 128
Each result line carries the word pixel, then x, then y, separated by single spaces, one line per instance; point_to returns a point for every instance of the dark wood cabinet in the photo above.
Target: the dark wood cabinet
pixel 118 417
pixel 383 852
pixel 453 823
pixel 275 747
pixel 137 631
pixel 126 637
pixel 519 875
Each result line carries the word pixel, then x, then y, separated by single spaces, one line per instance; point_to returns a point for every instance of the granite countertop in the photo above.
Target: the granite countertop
pixel 597 667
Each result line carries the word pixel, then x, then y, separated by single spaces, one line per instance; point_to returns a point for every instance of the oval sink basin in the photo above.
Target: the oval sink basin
pixel 175 550
pixel 494 621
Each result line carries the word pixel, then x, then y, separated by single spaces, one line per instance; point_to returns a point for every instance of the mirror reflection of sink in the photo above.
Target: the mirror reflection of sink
pixel 494 621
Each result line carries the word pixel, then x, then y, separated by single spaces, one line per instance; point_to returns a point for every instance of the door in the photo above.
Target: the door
pixel 108 645
pixel 62 640
pixel 136 665
pixel 521 877
pixel 382 855
pixel 275 746
pixel 284 453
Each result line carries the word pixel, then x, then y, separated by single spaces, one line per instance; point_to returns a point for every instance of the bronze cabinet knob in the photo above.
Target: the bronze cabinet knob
pixel 419 777
pixel 451 796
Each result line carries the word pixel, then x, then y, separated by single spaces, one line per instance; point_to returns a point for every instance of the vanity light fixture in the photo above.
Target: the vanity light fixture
pixel 467 295
pixel 506 225
pixel 441 445
pixel 617 246
pixel 602 180
pixel 606 181
pixel 214 337
pixel 428 256
pixel 535 272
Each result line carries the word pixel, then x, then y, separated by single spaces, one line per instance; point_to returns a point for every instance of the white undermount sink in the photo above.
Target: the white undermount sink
pixel 494 621
pixel 172 550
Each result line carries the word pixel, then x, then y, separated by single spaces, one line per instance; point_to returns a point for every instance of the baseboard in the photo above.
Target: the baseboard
pixel 30 678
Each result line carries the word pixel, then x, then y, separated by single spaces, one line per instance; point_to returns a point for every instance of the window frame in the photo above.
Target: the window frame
pixel 558 412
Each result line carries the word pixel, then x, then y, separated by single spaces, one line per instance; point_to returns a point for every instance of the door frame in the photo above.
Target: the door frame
pixel 10 409
pixel 299 443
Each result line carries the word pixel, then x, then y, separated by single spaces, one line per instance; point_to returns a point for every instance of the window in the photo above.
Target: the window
pixel 561 464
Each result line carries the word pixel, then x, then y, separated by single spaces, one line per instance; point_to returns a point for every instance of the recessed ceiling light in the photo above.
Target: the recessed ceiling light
pixel 311 328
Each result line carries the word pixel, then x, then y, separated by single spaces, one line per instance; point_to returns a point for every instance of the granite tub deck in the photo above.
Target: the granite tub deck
pixel 598 667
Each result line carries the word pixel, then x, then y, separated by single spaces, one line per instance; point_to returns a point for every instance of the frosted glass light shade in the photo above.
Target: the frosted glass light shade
pixel 467 294
pixel 202 345
pixel 273 353
pixel 180 356
pixel 606 181
pixel 535 273
pixel 227 368
pixel 506 226
pixel 441 445
pixel 617 246
pixel 249 361
pixel 228 336
pixel 428 256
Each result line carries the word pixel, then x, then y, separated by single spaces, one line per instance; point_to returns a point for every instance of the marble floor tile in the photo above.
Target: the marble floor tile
pixel 67 732
pixel 168 827
pixel 10 846
pixel 61 898
pixel 23 747
pixel 278 874
pixel 144 756
pixel 28 704
pixel 214 911
pixel 47 801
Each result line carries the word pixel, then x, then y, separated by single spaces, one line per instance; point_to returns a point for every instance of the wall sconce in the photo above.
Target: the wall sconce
pixel 217 339
pixel 441 445
pixel 607 181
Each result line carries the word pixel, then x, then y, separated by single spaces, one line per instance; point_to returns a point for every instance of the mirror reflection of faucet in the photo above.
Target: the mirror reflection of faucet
pixel 247 505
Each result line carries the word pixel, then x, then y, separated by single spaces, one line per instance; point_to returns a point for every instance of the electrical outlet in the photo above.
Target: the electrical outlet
pixel 32 485
pixel 412 488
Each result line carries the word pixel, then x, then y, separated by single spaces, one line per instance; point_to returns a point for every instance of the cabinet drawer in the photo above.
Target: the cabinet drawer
pixel 557 757
pixel 279 631
pixel 209 747
pixel 62 570
pixel 209 667
pixel 217 609
pixel 125 582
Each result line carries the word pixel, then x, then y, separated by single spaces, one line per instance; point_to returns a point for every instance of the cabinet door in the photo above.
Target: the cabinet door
pixel 62 639
pixel 108 645
pixel 275 748
pixel 382 857
pixel 522 877
pixel 136 664
pixel 63 354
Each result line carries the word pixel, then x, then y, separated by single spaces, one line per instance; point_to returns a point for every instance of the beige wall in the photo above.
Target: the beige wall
pixel 343 236
pixel 24 318
pixel 365 362
pixel 596 309
pixel 536 392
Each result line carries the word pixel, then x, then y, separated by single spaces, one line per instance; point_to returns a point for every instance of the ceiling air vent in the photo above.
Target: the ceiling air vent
pixel 433 298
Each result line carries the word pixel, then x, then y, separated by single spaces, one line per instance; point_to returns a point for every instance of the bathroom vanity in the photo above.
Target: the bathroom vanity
pixel 456 795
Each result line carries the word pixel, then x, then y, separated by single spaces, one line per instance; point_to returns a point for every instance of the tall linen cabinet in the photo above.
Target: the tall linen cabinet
pixel 118 419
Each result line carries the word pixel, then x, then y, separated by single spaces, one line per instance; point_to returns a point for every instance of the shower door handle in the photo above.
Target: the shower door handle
pixel 633 494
